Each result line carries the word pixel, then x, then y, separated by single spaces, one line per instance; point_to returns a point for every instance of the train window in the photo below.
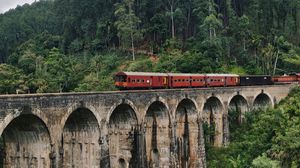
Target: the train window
pixel 121 78
pixel 143 80
pixel 138 81
pixel 133 80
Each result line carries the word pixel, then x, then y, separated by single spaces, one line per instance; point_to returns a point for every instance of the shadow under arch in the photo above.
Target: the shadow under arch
pixel 213 124
pixel 156 125
pixel 122 131
pixel 27 142
pixel 262 101
pixel 186 133
pixel 237 108
pixel 80 139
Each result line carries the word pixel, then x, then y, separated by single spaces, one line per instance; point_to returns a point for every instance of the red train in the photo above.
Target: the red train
pixel 147 80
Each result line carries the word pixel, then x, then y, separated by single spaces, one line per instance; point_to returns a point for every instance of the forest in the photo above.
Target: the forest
pixel 74 45
pixel 268 139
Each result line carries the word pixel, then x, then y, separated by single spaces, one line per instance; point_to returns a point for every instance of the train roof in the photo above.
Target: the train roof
pixel 141 74
pixel 230 75
pixel 185 74
pixel 171 74
pixel 255 75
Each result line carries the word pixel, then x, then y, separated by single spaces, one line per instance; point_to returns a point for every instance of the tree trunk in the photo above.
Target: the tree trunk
pixel 244 43
pixel 132 47
pixel 172 21
pixel 275 64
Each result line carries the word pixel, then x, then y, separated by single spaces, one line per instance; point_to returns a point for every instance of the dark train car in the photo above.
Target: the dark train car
pixel 248 80
pixel 139 80
pixel 222 80
pixel 178 80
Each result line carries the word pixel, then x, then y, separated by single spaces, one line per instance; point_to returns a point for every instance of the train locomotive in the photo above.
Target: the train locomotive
pixel 149 80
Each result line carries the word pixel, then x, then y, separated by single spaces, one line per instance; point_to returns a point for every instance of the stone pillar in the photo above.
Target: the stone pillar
pixel 53 156
pixel 226 133
pixel 218 141
pixel 173 146
pixel 139 153
pixel 104 147
pixel 201 161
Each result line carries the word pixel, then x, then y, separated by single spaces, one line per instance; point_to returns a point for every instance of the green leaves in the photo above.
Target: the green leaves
pixel 267 139
pixel 12 80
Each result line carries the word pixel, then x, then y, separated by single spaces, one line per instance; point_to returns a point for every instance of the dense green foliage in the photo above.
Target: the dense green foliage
pixel 63 45
pixel 267 139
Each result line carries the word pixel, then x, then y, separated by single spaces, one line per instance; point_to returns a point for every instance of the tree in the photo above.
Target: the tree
pixel 12 80
pixel 127 23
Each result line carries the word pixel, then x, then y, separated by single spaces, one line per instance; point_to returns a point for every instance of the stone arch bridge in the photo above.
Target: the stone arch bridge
pixel 154 128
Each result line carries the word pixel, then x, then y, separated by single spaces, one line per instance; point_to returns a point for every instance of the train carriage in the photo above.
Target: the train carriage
pixel 177 80
pixel 298 77
pixel 139 80
pixel 214 80
pixel 284 79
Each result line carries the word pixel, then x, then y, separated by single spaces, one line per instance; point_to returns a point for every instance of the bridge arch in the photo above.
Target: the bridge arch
pixel 27 140
pixel 262 100
pixel 237 107
pixel 186 132
pixel 213 110
pixel 213 104
pixel 122 102
pixel 80 138
pixel 156 123
pixel 191 101
pixel 164 103
pixel 122 128
pixel 75 106
pixel 13 114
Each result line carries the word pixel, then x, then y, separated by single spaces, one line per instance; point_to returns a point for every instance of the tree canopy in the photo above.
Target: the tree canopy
pixel 236 36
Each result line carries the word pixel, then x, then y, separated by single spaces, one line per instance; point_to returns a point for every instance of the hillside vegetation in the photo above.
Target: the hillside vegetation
pixel 268 139
pixel 64 45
